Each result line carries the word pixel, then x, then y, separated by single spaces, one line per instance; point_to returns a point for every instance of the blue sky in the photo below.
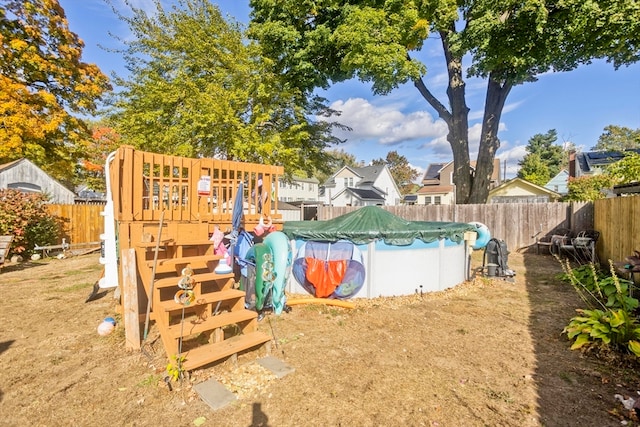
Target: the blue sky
pixel 578 104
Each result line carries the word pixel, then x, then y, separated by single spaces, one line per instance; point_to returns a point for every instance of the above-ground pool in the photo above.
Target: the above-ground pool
pixel 400 257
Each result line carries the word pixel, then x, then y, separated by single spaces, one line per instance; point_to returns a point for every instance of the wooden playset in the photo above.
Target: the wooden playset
pixel 165 209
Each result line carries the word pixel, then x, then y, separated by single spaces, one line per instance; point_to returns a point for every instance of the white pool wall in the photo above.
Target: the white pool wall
pixel 402 270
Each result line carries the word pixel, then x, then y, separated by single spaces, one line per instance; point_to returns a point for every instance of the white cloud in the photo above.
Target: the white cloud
pixel 512 156
pixel 440 145
pixel 437 80
pixel 385 123
pixel 479 114
pixel 421 171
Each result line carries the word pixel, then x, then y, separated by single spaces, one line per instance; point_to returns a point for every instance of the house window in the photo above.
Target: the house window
pixel 351 182
pixel 437 200
pixel 346 182
pixel 427 200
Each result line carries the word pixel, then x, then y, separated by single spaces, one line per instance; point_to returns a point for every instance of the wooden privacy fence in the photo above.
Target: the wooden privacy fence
pixel 618 220
pixel 82 223
pixel 515 223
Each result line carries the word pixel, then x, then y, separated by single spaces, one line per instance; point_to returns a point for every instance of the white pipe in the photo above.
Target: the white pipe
pixel 109 257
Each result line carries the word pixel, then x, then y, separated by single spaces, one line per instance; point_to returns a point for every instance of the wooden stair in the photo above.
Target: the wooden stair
pixel 216 325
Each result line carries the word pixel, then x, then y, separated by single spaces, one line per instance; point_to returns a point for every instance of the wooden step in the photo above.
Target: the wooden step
pixel 168 282
pixel 210 323
pixel 163 243
pixel 210 353
pixel 200 259
pixel 225 295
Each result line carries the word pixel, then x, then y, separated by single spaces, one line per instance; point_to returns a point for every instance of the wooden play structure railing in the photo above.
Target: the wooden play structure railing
pixel 166 208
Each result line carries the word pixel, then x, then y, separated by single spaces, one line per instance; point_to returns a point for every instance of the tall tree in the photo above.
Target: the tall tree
pixel 337 158
pixel 400 169
pixel 543 159
pixel 618 138
pixel 44 87
pixel 104 140
pixel 534 169
pixel 197 87
pixel 626 170
pixel 588 188
pixel 318 42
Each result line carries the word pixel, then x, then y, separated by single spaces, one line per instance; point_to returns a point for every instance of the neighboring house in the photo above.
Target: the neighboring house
pixel 298 198
pixel 593 162
pixel 519 190
pixel 438 187
pixel 298 189
pixel 86 195
pixel 559 183
pixel 361 186
pixel 25 176
pixel 411 198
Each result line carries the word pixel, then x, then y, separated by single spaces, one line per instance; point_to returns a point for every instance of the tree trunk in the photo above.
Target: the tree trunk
pixel 458 136
pixel 456 120
pixel 489 142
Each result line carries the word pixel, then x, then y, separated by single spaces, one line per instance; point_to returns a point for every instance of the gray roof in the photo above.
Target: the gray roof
pixel 369 174
pixel 10 164
pixel 298 178
pixel 433 170
pixel 589 160
pixel 366 194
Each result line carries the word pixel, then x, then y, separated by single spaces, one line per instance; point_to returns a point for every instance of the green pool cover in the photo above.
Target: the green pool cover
pixel 371 223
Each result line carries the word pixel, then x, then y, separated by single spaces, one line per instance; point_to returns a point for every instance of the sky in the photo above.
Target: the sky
pixel 578 104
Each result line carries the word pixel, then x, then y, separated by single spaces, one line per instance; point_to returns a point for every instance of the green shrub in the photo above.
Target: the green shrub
pixel 599 288
pixel 611 321
pixel 25 216
pixel 611 328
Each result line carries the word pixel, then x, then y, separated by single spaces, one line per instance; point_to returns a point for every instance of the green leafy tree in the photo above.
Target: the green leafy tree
pixel 400 169
pixel 197 87
pixel 626 170
pixel 25 216
pixel 618 138
pixel 543 159
pixel 533 169
pixel 44 88
pixel 316 43
pixel 588 188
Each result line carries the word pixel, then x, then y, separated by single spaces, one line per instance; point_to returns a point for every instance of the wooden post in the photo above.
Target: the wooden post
pixel 131 313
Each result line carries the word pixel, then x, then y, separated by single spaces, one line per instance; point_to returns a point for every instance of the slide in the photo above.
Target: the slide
pixel 280 247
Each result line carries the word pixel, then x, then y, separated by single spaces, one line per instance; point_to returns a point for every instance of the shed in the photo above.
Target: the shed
pixel 519 190
pixel 25 176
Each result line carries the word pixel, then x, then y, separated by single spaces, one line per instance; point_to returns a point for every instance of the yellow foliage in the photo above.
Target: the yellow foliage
pixel 48 82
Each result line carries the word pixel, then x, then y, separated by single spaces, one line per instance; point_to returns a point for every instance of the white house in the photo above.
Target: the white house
pixel 298 189
pixel 361 186
pixel 25 176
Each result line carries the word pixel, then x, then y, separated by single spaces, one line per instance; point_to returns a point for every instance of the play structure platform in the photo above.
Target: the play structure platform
pixel 160 215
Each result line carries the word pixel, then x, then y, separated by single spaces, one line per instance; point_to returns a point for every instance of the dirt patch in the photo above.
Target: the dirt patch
pixel 486 353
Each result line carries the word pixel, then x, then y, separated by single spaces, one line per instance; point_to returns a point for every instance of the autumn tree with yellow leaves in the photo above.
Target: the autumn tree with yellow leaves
pixel 45 88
